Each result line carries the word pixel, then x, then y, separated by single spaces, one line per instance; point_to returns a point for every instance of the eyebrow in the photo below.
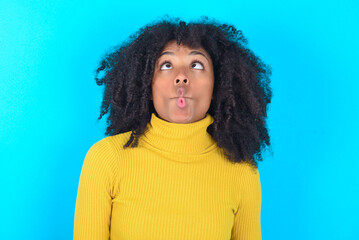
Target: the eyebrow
pixel 191 53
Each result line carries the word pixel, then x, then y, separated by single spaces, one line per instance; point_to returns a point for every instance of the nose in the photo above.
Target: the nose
pixel 181 80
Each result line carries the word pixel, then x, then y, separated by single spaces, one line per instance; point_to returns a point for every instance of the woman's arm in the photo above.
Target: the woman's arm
pixel 247 219
pixel 95 192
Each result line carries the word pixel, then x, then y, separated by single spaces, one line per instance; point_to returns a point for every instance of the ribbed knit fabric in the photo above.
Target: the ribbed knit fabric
pixel 177 184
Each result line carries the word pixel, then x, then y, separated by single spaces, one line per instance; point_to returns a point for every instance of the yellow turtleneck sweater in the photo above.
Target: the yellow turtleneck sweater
pixel 177 184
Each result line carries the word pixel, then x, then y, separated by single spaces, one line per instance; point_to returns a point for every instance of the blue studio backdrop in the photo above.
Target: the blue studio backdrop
pixel 50 102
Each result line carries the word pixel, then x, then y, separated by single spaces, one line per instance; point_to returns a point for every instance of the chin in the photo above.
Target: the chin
pixel 181 118
pixel 186 119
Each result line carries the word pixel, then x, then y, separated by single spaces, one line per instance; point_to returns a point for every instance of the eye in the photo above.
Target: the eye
pixel 166 66
pixel 197 65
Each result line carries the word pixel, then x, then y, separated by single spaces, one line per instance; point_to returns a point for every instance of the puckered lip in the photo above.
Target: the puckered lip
pixel 182 97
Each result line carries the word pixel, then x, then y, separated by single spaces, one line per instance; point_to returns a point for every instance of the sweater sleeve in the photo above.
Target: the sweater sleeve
pixel 95 193
pixel 247 218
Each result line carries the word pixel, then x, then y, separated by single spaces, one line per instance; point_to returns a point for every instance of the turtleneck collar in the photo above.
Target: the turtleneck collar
pixel 188 138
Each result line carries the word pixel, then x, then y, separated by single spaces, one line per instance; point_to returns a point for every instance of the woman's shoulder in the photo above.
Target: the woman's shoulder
pixel 118 141
pixel 247 179
pixel 245 168
pixel 245 173
pixel 104 155
pixel 110 145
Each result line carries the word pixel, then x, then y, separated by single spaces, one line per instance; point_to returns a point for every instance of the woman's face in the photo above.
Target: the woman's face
pixel 182 83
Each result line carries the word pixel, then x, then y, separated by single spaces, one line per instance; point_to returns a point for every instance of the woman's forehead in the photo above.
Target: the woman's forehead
pixel 172 46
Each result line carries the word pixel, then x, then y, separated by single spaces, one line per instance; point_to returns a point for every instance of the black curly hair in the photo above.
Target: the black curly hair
pixel 241 85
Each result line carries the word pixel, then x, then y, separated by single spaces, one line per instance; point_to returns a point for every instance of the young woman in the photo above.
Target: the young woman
pixel 186 107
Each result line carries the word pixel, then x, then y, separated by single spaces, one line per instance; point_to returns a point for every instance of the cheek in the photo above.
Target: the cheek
pixel 206 88
pixel 160 91
pixel 157 89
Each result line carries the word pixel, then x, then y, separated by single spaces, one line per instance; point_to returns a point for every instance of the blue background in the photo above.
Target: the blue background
pixel 50 102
